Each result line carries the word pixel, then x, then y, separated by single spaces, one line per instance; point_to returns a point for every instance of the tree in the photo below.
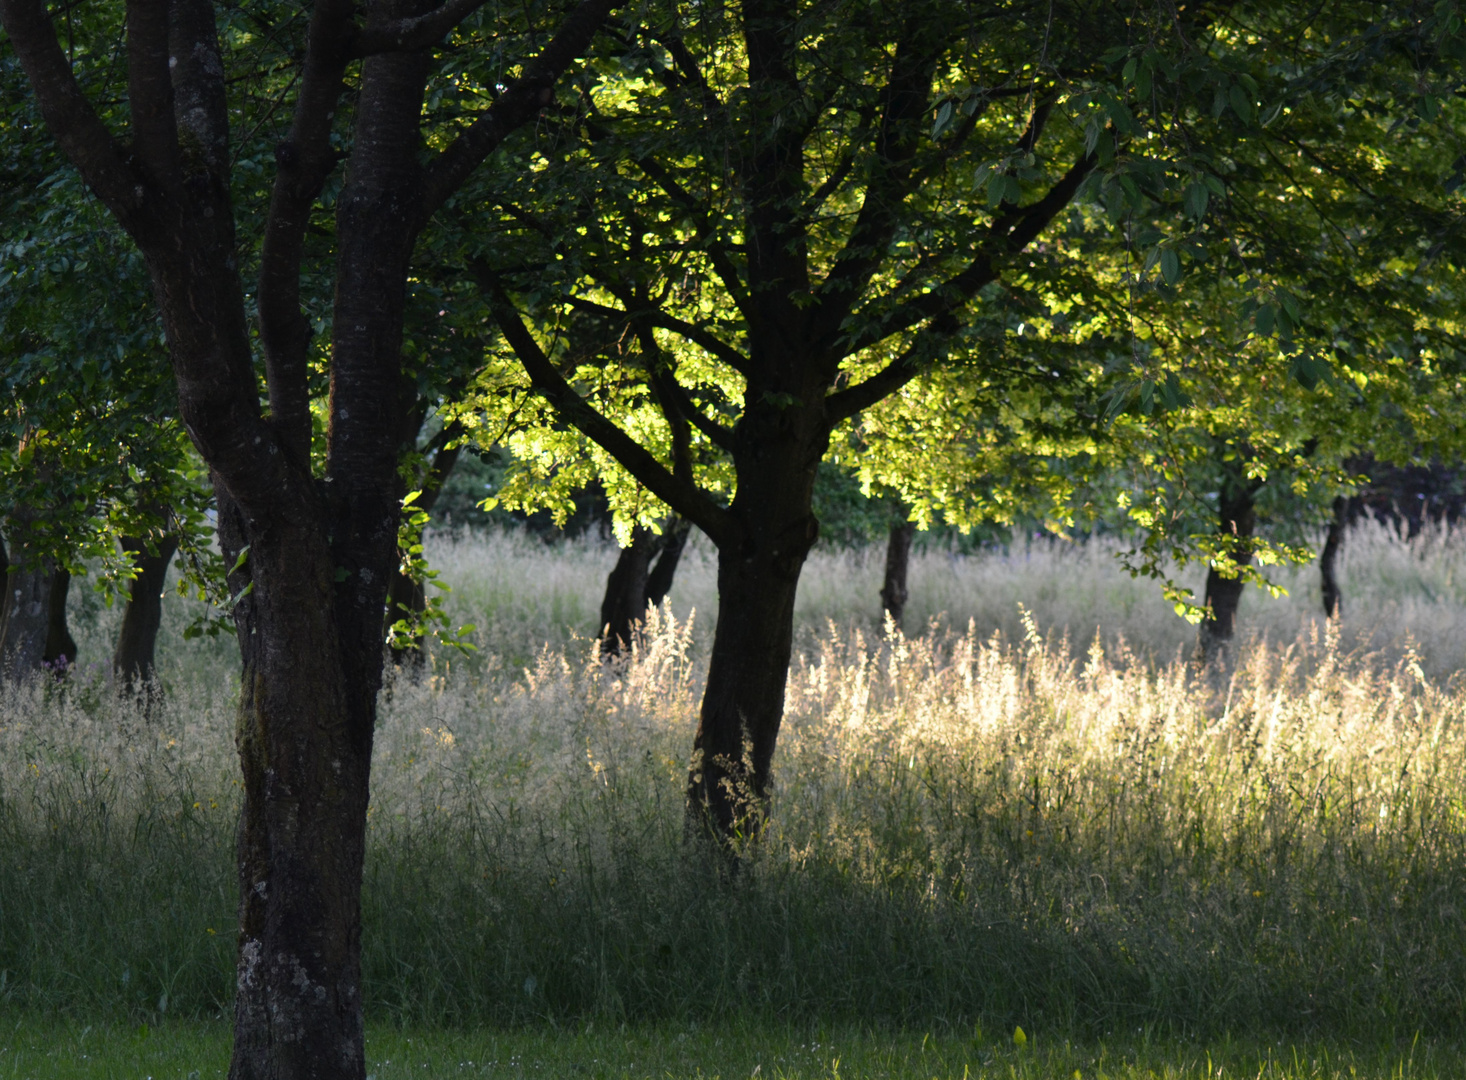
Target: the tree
pixel 898 560
pixel 778 233
pixel 133 659
pixel 311 554
pixel 88 412
pixel 636 583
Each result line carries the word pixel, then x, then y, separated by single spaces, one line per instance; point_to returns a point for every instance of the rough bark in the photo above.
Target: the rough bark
pixel 310 591
pixel 133 658
pixel 27 620
pixel 1328 560
pixel 898 559
pixel 1236 517
pixel 760 558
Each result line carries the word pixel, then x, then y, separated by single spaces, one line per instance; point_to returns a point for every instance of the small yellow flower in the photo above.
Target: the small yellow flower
pixel 1020 1040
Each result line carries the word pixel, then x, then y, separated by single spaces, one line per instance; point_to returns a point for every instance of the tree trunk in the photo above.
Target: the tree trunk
pixel 309 597
pixel 27 621
pixel 304 737
pixel 674 541
pixel 624 605
pixel 1328 560
pixel 898 559
pixel 132 660
pixel 759 563
pixel 60 645
pixel 1223 593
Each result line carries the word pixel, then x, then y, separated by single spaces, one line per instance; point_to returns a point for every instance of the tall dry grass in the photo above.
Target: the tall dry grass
pixel 1398 593
pixel 967 826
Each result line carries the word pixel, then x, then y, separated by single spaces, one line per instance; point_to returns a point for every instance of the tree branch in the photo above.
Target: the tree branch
pixel 659 318
pixel 154 128
pixel 71 118
pixel 717 253
pixel 515 107
pixel 1007 235
pixel 904 106
pixel 680 493
pixel 303 162
pixel 405 35
pixel 900 371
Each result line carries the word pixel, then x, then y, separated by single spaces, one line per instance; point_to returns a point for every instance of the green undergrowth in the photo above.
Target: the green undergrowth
pixel 34 1047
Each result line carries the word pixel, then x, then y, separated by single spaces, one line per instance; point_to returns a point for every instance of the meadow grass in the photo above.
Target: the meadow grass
pixel 523 593
pixel 33 1046
pixel 989 824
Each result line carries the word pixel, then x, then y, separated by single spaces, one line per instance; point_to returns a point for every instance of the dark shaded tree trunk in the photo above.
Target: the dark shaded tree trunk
pixel 60 652
pixel 674 542
pixel 760 559
pixel 310 594
pixel 898 560
pixel 137 641
pixel 624 605
pixel 26 630
pixel 1223 593
pixel 1328 560
pixel 636 584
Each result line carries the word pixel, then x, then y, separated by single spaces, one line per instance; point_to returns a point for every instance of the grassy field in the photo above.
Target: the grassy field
pixel 1008 820
pixel 36 1047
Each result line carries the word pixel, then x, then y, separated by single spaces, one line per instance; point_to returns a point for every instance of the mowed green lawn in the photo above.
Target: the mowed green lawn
pixel 33 1046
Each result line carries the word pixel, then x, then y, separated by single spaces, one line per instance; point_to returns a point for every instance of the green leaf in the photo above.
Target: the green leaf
pixel 1172 396
pixel 944 117
pixel 1241 103
pixel 1197 197
pixel 1170 266
pixel 1266 313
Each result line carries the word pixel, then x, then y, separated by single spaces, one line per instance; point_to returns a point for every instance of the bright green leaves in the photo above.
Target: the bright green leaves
pixel 432 621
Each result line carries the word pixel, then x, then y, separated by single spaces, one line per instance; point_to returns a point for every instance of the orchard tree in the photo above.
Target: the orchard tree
pixel 418 96
pixel 1243 337
pixel 91 450
pixel 770 219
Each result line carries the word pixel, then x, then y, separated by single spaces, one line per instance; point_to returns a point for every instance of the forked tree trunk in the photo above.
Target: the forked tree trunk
pixel 674 542
pixel 898 560
pixel 1328 560
pixel 635 584
pixel 624 604
pixel 313 554
pixel 133 658
pixel 1223 593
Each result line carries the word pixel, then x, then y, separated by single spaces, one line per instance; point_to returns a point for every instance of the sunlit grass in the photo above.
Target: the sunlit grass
pixel 966 830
